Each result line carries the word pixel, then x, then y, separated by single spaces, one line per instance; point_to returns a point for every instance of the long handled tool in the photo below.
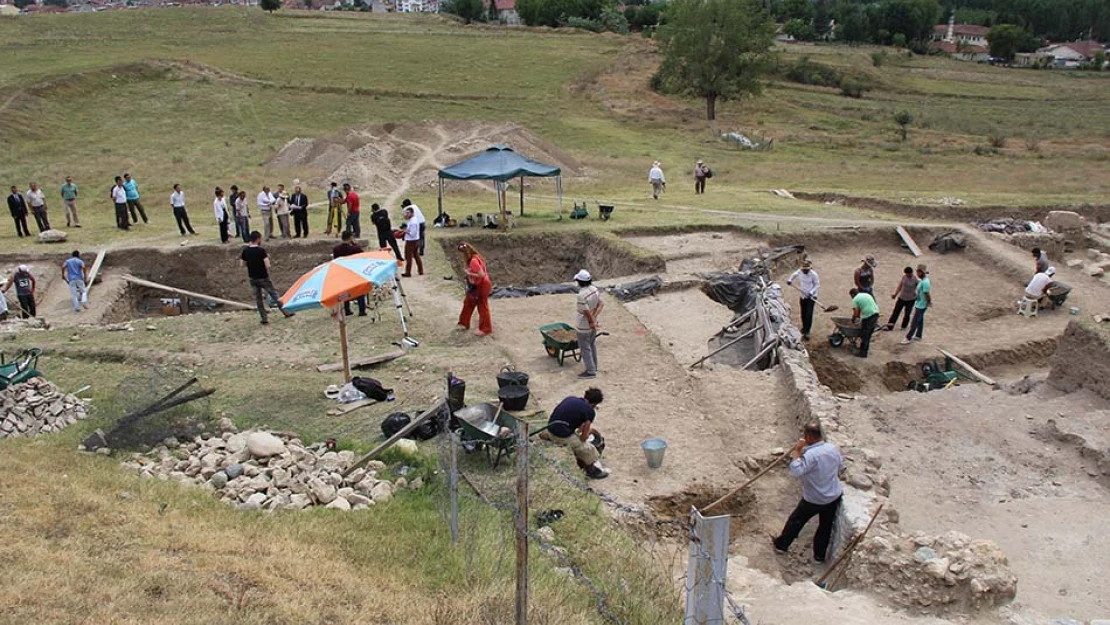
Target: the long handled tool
pixel 824 308
pixel 844 557
pixel 748 483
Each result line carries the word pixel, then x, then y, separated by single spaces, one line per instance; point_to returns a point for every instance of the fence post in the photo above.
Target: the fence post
pixel 520 522
pixel 706 570
pixel 453 484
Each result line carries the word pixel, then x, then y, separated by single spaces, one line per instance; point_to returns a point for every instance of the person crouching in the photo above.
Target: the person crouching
pixel 569 426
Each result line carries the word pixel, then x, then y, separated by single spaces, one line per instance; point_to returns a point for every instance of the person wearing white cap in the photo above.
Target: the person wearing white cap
pixel 589 307
pixel 657 180
pixel 808 284
pixel 24 290
pixel 1040 283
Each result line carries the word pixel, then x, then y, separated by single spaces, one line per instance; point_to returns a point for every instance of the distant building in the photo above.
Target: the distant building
pixel 506 11
pixel 965 42
pixel 1070 55
pixel 418 6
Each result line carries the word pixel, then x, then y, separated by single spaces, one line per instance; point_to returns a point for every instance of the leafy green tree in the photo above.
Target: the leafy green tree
pixel 800 30
pixel 23 4
pixel 56 3
pixel 914 19
pixel 1004 40
pixel 903 119
pixel 797 10
pixel 269 5
pixel 467 10
pixel 715 49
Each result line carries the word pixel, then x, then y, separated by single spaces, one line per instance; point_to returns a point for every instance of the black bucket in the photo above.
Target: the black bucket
pixel 514 397
pixel 512 378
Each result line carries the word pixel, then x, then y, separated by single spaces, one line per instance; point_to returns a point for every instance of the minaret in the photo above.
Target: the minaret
pixel 949 36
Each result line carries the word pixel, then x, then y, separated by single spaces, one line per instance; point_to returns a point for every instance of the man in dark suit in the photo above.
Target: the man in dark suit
pixel 298 206
pixel 17 206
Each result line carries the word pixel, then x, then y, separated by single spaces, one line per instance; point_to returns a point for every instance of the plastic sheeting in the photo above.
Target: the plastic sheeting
pixel 505 292
pixel 948 242
pixel 636 290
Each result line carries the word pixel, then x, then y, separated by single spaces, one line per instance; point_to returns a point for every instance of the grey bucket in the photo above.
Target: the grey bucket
pixel 654 448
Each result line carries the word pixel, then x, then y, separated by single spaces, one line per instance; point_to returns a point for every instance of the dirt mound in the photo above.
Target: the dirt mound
pixel 674 509
pixel 386 158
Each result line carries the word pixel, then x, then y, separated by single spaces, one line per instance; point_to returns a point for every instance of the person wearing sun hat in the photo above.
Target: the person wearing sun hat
pixel 657 180
pixel 701 174
pixel 808 284
pixel 865 275
pixel 588 307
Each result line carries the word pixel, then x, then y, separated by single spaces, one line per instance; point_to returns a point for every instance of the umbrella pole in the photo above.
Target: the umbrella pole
pixel 343 344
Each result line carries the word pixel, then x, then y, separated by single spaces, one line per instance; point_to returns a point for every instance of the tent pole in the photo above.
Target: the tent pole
pixel 343 344
pixel 522 196
pixel 400 307
pixel 440 201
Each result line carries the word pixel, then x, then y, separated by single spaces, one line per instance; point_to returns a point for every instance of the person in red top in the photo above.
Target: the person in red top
pixel 353 225
pixel 478 287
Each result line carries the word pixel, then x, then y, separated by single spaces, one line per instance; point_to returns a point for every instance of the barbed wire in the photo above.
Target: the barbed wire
pixel 736 609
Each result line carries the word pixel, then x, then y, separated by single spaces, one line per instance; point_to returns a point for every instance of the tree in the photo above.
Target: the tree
pixel 715 49
pixel 903 119
pixel 56 3
pixel 914 19
pixel 1004 40
pixel 269 5
pixel 468 10
pixel 800 30
pixel 23 4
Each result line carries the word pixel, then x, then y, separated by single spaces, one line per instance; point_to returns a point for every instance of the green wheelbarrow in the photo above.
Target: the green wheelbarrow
pixel 21 369
pixel 560 340
pixel 486 427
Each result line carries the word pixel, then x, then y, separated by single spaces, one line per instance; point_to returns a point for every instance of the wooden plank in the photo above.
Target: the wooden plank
pixel 971 370
pixel 405 431
pixel 908 240
pixel 163 287
pixel 351 407
pixel 96 268
pixel 365 361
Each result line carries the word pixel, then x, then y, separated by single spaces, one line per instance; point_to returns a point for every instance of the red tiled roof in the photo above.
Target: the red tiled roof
pixel 950 48
pixel 970 30
pixel 1086 48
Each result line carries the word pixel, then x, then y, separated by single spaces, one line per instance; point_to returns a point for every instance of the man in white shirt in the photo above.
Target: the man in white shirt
pixel 412 242
pixel 407 204
pixel 658 182
pixel 177 201
pixel 1037 287
pixel 119 198
pixel 266 209
pixel 37 200
pixel 808 284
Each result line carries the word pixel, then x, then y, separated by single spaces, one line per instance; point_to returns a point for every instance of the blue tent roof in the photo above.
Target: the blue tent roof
pixel 498 162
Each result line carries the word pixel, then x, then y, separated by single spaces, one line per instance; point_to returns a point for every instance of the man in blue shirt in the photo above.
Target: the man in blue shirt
pixel 569 426
pixel 75 274
pixel 921 304
pixel 817 464
pixel 131 189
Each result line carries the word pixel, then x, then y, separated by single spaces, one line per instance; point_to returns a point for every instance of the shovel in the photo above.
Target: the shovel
pixel 824 308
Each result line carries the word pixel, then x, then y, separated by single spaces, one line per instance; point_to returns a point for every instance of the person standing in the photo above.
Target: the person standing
pixel 353 211
pixel 281 210
pixel 257 262
pixel 243 216
pixel 233 194
pixel 569 426
pixel 298 207
pixel 17 206
pixel 412 244
pixel 478 287
pixel 701 174
pixel 24 291
pixel 816 464
pixel 76 274
pixel 905 294
pixel 657 180
pixel 37 199
pixel 177 202
pixel 808 283
pixel 419 216
pixel 69 202
pixel 380 218
pixel 864 276
pixel 588 307
pixel 865 310
pixel 335 210
pixel 922 303
pixel 119 198
pixel 131 187
pixel 349 248
pixel 265 202
pixel 223 215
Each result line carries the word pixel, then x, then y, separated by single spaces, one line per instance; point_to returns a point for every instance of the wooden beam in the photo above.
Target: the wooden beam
pixel 908 240
pixel 405 431
pixel 163 287
pixel 971 370
pixel 351 407
pixel 365 361
pixel 96 268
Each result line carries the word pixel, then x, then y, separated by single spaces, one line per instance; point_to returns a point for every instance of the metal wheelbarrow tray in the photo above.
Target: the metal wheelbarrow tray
pixel 846 331
pixel 560 340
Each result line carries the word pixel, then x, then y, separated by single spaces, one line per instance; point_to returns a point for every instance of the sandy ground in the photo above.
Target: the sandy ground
pixel 969 459
pixel 700 251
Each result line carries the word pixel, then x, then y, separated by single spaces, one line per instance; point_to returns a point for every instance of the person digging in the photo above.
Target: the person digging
pixel 570 425
pixel 816 464
pixel 808 284
pixel 865 311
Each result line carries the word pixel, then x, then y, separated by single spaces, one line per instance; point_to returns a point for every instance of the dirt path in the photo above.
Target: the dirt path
pixel 431 157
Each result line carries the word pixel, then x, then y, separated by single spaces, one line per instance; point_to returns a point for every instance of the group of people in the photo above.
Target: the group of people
pixel 33 202
pixel 913 294
pixel 74 272
pixel 658 181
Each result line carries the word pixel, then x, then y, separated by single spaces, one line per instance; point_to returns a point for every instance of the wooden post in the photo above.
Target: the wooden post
pixel 522 196
pixel 343 344
pixel 94 271
pixel 453 484
pixel 520 521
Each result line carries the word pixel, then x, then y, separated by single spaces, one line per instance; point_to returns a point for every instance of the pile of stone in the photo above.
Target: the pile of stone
pixel 935 572
pixel 37 407
pixel 259 470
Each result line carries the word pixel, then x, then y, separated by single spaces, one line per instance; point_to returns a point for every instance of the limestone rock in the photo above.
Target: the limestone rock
pixel 382 492
pixel 218 480
pixel 322 492
pixel 1065 221
pixel 339 503
pixel 52 236
pixel 264 444
pixel 407 447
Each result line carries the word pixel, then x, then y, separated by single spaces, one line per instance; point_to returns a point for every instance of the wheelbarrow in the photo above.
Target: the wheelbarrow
pixel 937 375
pixel 846 330
pixel 486 427
pixel 21 369
pixel 560 340
pixel 1057 294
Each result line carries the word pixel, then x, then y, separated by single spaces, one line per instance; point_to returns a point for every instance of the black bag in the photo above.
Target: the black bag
pixel 708 173
pixel 371 388
pixel 395 423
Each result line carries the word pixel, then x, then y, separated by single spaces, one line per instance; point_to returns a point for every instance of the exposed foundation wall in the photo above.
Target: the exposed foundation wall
pixel 1082 359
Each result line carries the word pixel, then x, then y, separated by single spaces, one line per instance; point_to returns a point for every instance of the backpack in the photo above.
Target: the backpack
pixel 708 173
pixel 371 388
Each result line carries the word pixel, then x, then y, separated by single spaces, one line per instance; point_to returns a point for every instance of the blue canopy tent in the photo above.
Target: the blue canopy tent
pixel 501 164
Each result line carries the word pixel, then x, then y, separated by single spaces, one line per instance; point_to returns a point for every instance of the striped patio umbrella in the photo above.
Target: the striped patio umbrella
pixel 343 279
